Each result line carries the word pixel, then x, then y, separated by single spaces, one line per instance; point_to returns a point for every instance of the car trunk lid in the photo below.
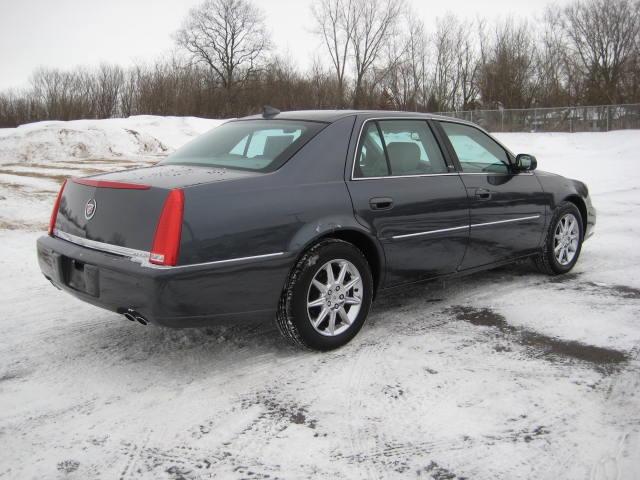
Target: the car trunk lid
pixel 122 209
pixel 174 176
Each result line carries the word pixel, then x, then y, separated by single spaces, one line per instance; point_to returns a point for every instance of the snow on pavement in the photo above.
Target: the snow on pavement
pixel 503 374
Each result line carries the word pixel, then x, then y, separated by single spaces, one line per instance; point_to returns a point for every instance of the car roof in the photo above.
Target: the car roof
pixel 331 116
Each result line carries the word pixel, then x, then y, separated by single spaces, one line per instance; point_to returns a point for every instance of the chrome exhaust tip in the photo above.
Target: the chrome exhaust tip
pixel 134 316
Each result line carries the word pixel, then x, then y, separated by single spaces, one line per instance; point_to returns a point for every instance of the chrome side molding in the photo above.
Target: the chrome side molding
pixel 219 262
pixel 532 217
pixel 474 225
pixel 430 232
pixel 142 257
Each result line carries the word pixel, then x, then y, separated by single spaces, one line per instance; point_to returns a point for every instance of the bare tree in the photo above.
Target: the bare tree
pixel 509 64
pixel 335 24
pixel 468 66
pixel 406 66
pixel 556 68
pixel 454 78
pixel 110 80
pixel 603 35
pixel 381 57
pixel 228 36
pixel 375 24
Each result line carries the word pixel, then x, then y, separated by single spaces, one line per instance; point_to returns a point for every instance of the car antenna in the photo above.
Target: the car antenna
pixel 268 111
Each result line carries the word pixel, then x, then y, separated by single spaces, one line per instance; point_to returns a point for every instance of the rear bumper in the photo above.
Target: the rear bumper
pixel 172 297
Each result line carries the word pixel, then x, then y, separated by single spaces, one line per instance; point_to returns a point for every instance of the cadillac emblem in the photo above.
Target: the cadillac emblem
pixel 90 209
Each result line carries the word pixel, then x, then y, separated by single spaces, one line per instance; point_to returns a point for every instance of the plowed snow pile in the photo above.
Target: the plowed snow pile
pixel 504 374
pixel 134 138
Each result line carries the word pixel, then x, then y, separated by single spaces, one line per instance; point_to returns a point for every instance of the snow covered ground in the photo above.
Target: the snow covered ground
pixel 506 374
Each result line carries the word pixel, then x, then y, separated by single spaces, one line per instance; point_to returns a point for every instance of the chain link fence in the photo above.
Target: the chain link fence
pixel 568 119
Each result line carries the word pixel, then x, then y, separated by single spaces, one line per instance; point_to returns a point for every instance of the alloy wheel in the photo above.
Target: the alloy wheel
pixel 566 239
pixel 334 298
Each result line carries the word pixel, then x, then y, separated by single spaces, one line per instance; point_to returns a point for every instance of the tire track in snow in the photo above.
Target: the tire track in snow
pixel 622 392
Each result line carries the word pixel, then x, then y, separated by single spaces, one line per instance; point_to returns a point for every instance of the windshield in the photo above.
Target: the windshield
pixel 258 145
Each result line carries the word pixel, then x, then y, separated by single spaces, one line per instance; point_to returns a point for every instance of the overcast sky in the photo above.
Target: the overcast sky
pixel 67 33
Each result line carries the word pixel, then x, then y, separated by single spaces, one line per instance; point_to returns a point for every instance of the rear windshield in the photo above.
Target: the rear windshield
pixel 257 145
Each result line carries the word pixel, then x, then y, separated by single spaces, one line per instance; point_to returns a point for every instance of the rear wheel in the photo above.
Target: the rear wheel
pixel 327 297
pixel 563 243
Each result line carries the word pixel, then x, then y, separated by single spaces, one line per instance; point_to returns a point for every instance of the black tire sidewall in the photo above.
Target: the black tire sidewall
pixel 298 306
pixel 561 211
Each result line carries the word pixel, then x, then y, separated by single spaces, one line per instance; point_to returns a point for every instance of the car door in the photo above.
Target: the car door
pixel 507 208
pixel 404 191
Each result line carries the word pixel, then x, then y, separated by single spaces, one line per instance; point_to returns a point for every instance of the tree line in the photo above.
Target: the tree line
pixel 376 54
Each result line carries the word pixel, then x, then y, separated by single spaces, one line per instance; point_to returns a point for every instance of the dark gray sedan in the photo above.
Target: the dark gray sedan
pixel 304 217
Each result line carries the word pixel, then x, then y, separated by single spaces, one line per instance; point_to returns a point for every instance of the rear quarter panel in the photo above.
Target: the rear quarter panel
pixel 269 213
pixel 278 212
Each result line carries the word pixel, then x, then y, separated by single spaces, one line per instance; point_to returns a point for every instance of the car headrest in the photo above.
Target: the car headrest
pixel 403 156
pixel 276 144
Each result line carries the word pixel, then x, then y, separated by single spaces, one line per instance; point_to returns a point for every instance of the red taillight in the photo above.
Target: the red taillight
pixel 166 243
pixel 56 207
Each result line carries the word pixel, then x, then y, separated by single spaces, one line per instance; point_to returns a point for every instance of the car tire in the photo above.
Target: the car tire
pixel 563 241
pixel 323 313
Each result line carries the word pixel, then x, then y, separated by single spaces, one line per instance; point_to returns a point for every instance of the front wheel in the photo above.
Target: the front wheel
pixel 563 243
pixel 327 297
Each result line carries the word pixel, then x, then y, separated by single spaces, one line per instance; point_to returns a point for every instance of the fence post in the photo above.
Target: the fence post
pixel 571 111
pixel 607 109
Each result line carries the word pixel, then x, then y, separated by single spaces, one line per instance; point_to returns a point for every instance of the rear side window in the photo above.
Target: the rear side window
pixel 398 148
pixel 258 145
pixel 412 148
pixel 476 151
pixel 371 160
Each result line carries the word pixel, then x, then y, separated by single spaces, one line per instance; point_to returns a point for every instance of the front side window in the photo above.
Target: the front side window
pixel 476 151
pixel 398 148
pixel 258 145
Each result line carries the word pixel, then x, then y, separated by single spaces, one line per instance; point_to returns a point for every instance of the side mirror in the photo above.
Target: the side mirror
pixel 526 162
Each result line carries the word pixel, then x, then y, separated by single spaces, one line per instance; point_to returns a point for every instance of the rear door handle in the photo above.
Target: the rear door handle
pixel 381 203
pixel 483 194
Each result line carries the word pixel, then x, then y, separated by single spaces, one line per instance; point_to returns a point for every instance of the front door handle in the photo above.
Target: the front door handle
pixel 381 203
pixel 483 194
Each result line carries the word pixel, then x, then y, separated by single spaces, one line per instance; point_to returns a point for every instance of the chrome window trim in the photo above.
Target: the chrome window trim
pixel 374 119
pixel 496 173
pixel 142 257
pixel 473 225
pixel 434 118
pixel 406 176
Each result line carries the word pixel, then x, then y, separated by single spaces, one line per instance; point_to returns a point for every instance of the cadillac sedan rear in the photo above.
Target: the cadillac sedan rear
pixel 174 244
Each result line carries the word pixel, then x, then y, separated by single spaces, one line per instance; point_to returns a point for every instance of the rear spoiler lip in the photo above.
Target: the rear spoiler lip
pixel 110 184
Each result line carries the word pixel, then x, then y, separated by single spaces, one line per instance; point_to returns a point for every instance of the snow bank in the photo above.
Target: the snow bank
pixel 133 138
pixel 606 162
